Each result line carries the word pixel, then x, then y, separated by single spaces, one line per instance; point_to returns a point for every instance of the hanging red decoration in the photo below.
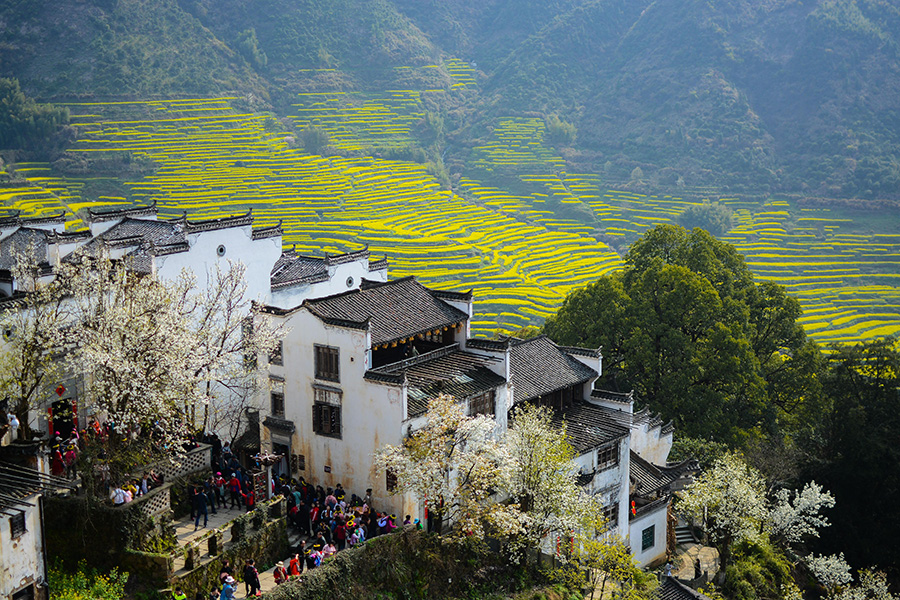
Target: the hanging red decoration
pixel 60 390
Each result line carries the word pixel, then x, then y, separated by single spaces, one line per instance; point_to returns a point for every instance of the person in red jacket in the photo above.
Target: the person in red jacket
pixel 249 500
pixel 234 486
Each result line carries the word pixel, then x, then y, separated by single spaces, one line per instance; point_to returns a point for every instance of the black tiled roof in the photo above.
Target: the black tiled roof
pixel 672 589
pixel 132 231
pixel 17 483
pixel 650 478
pixel 446 370
pixel 396 310
pixel 539 367
pixel 30 242
pixel 589 426
pixel 121 213
pixel 491 345
pixel 292 268
pixel 610 396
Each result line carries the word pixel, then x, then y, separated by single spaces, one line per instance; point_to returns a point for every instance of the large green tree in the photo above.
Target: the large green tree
pixel 689 330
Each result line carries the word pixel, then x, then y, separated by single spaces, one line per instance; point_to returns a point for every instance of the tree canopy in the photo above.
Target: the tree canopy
pixel 687 328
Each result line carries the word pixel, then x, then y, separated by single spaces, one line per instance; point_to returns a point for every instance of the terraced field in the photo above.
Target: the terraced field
pixel 521 251
pixel 213 161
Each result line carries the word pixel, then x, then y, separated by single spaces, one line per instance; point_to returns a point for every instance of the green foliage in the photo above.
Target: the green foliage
pixel 85 583
pixel 714 217
pixel 758 571
pixel 25 124
pixel 705 451
pixel 560 133
pixel 854 451
pixel 314 139
pixel 686 327
pixel 249 48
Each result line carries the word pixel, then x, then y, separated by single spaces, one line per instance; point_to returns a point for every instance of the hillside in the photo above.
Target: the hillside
pixel 750 96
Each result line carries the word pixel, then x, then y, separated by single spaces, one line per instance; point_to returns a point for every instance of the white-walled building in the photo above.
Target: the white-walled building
pixel 165 247
pixel 363 355
pixel 23 569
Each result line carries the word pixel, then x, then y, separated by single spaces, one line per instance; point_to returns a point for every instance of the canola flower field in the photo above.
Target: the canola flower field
pixel 520 251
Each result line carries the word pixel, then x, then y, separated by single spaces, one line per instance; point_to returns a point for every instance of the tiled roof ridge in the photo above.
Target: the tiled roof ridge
pixel 646 464
pixel 344 322
pixel 392 378
pixel 592 353
pixel 219 223
pixel 622 397
pixel 371 284
pixel 451 295
pixel 54 237
pixel 303 279
pixel 131 211
pixel 133 240
pixel 492 345
pixel 166 249
pixel 347 257
pixel 377 265
pixel 26 221
pixel 268 232
pixel 415 360
pixel 11 219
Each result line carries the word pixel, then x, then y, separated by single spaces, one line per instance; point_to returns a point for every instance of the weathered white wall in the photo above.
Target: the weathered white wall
pixel 650 444
pixel 259 256
pixel 371 414
pixel 638 525
pixel 338 279
pixel 21 559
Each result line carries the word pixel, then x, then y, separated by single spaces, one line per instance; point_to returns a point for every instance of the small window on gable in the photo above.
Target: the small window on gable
pixel 608 456
pixel 611 514
pixel 26 593
pixel 278 404
pixel 327 366
pixel 390 480
pixel 648 538
pixel 17 525
pixel 276 356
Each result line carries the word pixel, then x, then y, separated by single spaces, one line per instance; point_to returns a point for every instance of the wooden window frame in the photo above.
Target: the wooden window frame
pixel 608 456
pixel 326 419
pixel 479 404
pixel 277 404
pixel 327 363
pixel 644 537
pixel 17 526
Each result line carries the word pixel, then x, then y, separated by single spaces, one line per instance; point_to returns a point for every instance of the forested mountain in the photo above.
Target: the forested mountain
pixel 761 95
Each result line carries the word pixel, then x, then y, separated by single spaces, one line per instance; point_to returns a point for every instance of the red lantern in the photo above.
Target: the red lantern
pixel 633 509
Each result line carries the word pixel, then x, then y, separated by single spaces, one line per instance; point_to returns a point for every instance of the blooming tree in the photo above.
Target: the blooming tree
pixel 793 519
pixel 134 345
pixel 31 326
pixel 543 478
pixel 456 464
pixel 229 335
pixel 729 501
pixel 832 571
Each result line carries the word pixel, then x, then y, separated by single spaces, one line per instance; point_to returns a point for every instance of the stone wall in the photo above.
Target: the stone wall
pixel 266 545
pixel 198 459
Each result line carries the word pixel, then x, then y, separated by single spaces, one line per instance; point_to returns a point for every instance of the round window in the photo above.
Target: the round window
pixel 220 250
pixel 349 282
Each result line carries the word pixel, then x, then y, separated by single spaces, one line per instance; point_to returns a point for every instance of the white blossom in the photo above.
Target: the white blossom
pixel 832 571
pixel 793 520
pixel 729 499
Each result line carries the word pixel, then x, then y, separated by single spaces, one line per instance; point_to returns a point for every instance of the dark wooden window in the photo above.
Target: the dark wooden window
pixel 26 593
pixel 246 333
pixel 278 404
pixel 17 525
pixel 608 456
pixel 390 480
pixel 648 538
pixel 327 419
pixel 327 367
pixel 482 404
pixel 276 356
pixel 611 514
pixel 298 462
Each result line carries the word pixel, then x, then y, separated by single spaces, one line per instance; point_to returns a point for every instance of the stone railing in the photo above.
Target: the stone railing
pixel 193 461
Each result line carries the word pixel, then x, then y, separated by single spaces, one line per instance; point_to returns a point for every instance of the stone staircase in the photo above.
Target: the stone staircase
pixel 684 535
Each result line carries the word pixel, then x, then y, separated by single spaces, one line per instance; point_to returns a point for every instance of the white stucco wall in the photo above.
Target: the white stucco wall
pixel 371 414
pixel 650 444
pixel 339 276
pixel 21 559
pixel 259 256
pixel 612 484
pixel 636 528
